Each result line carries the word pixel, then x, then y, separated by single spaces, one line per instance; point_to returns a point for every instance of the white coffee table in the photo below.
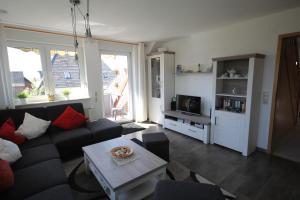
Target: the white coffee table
pixel 134 180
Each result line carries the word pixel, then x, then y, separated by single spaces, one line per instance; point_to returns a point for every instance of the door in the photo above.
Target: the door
pixel 155 89
pixel 116 86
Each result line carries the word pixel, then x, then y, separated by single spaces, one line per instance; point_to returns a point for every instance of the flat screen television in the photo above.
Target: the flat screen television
pixel 188 104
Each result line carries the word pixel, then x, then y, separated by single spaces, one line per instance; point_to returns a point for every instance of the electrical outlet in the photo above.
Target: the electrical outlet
pixel 265 97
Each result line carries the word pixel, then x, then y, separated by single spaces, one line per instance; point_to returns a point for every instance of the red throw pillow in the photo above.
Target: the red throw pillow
pixel 7 131
pixel 6 176
pixel 70 119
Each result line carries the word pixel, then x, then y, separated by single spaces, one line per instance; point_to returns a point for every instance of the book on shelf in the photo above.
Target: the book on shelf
pixel 233 105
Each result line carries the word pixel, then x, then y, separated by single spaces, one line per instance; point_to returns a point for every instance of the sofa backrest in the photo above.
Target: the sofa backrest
pixel 4 115
pixel 46 113
pixel 17 115
pixel 54 111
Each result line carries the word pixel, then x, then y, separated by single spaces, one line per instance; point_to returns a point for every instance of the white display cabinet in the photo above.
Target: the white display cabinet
pixel 236 100
pixel 161 84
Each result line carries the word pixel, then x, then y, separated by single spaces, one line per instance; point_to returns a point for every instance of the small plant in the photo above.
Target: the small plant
pixel 66 92
pixel 22 95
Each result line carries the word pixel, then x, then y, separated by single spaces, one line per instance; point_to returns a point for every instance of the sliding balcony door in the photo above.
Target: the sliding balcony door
pixel 117 90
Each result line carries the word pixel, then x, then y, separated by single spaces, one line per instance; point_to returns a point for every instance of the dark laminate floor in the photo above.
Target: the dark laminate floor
pixel 259 176
pixel 287 145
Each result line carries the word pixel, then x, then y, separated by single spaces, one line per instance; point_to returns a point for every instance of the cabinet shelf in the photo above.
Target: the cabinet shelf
pixel 223 110
pixel 228 78
pixel 191 72
pixel 231 95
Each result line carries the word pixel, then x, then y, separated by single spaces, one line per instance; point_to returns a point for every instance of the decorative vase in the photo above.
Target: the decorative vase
pixel 51 97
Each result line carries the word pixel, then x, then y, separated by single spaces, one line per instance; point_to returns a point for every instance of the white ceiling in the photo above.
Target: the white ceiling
pixel 141 20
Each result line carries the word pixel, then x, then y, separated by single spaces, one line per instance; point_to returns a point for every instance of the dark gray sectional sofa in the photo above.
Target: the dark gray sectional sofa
pixel 39 174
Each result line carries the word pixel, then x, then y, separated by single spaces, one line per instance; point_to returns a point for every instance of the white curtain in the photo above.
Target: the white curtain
pixel 139 83
pixel 6 98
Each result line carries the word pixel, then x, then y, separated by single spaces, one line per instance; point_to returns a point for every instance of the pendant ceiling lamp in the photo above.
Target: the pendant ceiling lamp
pixel 86 17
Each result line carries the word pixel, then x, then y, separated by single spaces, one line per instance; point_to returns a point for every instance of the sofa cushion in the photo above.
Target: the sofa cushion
pixel 33 127
pixel 9 151
pixel 55 193
pixel 36 155
pixel 6 176
pixel 104 129
pixel 35 179
pixel 44 139
pixel 69 119
pixel 7 132
pixel 71 141
pixel 54 112
pixel 177 190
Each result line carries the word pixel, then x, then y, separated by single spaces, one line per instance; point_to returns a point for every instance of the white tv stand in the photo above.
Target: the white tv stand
pixel 196 126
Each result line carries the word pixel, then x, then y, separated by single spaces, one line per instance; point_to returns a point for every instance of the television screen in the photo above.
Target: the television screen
pixel 190 104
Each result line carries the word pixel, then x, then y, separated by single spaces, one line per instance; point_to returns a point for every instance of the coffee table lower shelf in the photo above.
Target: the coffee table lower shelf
pixel 134 190
pixel 140 191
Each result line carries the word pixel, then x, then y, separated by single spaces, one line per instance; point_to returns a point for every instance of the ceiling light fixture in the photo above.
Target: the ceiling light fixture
pixel 86 17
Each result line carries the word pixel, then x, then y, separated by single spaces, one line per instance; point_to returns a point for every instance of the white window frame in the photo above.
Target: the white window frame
pixel 47 71
pixel 43 63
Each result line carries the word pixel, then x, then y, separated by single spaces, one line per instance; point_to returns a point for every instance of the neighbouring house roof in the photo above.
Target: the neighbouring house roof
pixel 65 71
pixel 18 79
pixel 108 75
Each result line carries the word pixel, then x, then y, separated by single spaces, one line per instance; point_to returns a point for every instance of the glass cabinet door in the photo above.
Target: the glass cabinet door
pixel 155 77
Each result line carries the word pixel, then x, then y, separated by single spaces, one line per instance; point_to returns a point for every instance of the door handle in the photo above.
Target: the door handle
pixel 215 120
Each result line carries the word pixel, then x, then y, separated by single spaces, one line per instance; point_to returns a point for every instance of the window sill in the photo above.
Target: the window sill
pixel 47 102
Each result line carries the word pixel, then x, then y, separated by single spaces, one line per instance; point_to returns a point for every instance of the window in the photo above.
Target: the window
pixel 38 70
pixel 27 75
pixel 65 69
pixel 67 75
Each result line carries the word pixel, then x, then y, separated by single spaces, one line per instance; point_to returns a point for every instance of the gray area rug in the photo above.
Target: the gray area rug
pixel 86 187
pixel 131 128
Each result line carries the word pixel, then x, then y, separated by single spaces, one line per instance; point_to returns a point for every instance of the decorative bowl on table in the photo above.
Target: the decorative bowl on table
pixel 121 152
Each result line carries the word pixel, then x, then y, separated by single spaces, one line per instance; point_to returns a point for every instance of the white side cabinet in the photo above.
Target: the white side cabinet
pixel 195 126
pixel 161 84
pixel 236 101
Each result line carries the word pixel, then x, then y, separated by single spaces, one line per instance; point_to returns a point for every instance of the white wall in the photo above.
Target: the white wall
pixel 254 36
